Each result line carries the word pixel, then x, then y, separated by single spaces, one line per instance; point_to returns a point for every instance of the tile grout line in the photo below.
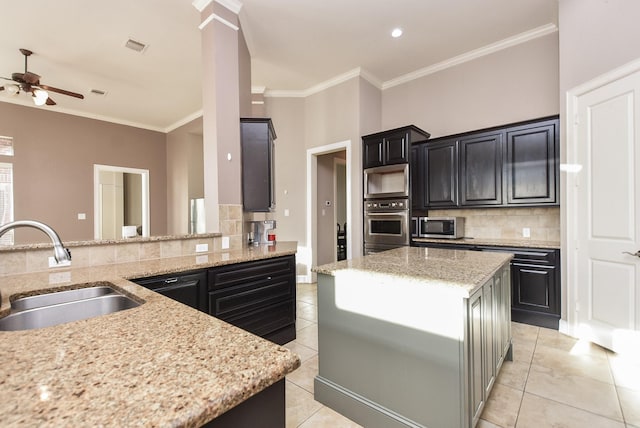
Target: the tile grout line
pixel 615 386
pixel 524 387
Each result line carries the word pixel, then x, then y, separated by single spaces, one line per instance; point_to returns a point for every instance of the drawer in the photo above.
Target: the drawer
pixel 529 255
pixel 227 276
pixel 248 296
pixel 266 320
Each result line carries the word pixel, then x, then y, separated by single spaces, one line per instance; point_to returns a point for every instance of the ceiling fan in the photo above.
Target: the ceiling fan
pixel 30 83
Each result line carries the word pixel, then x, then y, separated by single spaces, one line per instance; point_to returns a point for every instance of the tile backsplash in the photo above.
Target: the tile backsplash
pixel 507 223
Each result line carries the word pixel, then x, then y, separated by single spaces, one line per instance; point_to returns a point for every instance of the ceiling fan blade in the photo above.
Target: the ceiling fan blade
pixel 61 91
pixel 50 102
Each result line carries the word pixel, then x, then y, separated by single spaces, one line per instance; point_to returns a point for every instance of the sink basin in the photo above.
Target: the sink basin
pixel 49 299
pixel 51 309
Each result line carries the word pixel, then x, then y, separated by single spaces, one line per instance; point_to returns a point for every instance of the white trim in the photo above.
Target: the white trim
pixel 259 103
pixel 312 175
pixel 258 89
pixel 474 54
pixel 232 5
pixel 59 109
pixel 183 121
pixel 477 53
pixel 571 211
pixel 97 217
pixel 220 19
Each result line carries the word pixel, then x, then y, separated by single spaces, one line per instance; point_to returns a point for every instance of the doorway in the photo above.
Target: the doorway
pixel 603 200
pixel 321 204
pixel 121 198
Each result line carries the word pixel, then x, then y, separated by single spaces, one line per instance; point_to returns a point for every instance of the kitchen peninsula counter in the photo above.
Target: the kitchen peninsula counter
pixel 159 364
pixel 412 336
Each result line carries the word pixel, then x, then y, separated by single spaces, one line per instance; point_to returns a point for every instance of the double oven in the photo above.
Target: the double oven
pixel 386 208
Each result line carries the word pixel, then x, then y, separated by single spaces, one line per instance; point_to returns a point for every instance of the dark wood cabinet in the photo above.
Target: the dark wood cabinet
pixel 390 147
pixel 480 165
pixel 531 157
pixel 258 296
pixel 440 185
pixel 257 140
pixel 189 288
pixel 417 180
pixel 535 281
pixel 511 165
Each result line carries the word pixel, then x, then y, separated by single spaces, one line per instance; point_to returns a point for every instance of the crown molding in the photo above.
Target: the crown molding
pixel 474 54
pixel 233 5
pixel 183 121
pixel 218 18
pixel 452 62
pixel 356 72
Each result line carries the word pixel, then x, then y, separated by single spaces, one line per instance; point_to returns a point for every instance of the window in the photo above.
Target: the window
pixel 6 200
pixel 6 146
pixel 6 189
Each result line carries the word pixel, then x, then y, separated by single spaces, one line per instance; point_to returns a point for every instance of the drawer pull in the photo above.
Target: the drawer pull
pixel 170 280
pixel 268 278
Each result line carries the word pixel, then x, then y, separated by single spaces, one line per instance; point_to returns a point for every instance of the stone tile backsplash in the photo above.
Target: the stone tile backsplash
pixel 507 223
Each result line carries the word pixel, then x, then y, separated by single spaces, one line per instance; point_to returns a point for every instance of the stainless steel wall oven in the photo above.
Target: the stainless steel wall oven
pixel 386 224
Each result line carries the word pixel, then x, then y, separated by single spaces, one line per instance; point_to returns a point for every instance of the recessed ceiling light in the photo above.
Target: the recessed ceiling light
pixel 397 32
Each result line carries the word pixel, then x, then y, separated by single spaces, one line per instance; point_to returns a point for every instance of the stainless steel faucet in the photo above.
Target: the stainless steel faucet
pixel 59 252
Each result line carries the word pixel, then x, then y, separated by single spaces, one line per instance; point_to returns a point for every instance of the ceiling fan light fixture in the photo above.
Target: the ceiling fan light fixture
pixel 12 89
pixel 40 96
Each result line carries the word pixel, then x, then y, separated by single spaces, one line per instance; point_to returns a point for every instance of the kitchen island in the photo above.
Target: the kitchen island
pixel 159 364
pixel 412 337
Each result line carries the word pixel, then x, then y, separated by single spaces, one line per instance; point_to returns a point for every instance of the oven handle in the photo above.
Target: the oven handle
pixel 387 213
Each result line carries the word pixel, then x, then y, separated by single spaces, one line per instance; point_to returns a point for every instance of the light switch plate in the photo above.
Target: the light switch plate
pixel 202 248
pixel 526 232
pixel 225 242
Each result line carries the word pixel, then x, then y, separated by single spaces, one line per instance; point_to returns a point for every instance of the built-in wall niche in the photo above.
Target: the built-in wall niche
pixel 121 202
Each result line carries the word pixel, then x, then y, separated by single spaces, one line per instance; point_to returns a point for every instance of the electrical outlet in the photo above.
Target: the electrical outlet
pixel 202 248
pixel 526 232
pixel 286 212
pixel 225 242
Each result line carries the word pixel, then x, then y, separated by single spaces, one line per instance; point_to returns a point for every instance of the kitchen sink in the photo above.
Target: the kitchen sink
pixel 45 310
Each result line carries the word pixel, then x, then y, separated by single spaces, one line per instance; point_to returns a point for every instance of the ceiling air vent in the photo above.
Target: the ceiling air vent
pixel 135 45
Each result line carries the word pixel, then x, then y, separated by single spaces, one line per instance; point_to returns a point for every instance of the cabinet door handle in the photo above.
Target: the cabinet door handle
pixel 170 280
pixel 268 278
pixel 637 253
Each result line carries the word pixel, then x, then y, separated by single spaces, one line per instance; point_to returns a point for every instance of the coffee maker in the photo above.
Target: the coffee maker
pixel 262 232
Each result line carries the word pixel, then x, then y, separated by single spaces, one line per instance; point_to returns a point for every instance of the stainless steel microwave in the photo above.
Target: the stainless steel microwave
pixel 441 227
pixel 389 181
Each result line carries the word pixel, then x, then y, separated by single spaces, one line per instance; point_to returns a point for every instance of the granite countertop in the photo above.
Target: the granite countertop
pixel 159 364
pixel 464 271
pixel 521 243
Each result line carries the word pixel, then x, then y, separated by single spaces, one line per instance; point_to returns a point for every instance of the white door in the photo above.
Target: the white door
pixel 603 222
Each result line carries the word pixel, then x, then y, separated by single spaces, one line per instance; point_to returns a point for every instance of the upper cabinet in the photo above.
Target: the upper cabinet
pixel 514 165
pixel 481 169
pixel 440 185
pixel 532 163
pixel 390 147
pixel 257 137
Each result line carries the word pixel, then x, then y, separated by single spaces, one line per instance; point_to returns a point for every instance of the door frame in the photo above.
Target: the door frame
pixel 573 169
pixel 97 203
pixel 336 162
pixel 312 191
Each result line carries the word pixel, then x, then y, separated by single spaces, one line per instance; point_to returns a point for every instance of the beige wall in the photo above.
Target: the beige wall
pixel 514 84
pixel 596 36
pixel 185 174
pixel 53 167
pixel 244 68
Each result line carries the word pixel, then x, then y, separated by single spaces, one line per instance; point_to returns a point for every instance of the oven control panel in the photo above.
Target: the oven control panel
pixel 381 205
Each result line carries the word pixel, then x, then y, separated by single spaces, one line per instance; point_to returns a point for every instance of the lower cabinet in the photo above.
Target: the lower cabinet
pixel 489 339
pixel 258 296
pixel 185 287
pixel 535 282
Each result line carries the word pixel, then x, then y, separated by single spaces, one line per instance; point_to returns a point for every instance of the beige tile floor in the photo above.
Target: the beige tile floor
pixel 553 381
